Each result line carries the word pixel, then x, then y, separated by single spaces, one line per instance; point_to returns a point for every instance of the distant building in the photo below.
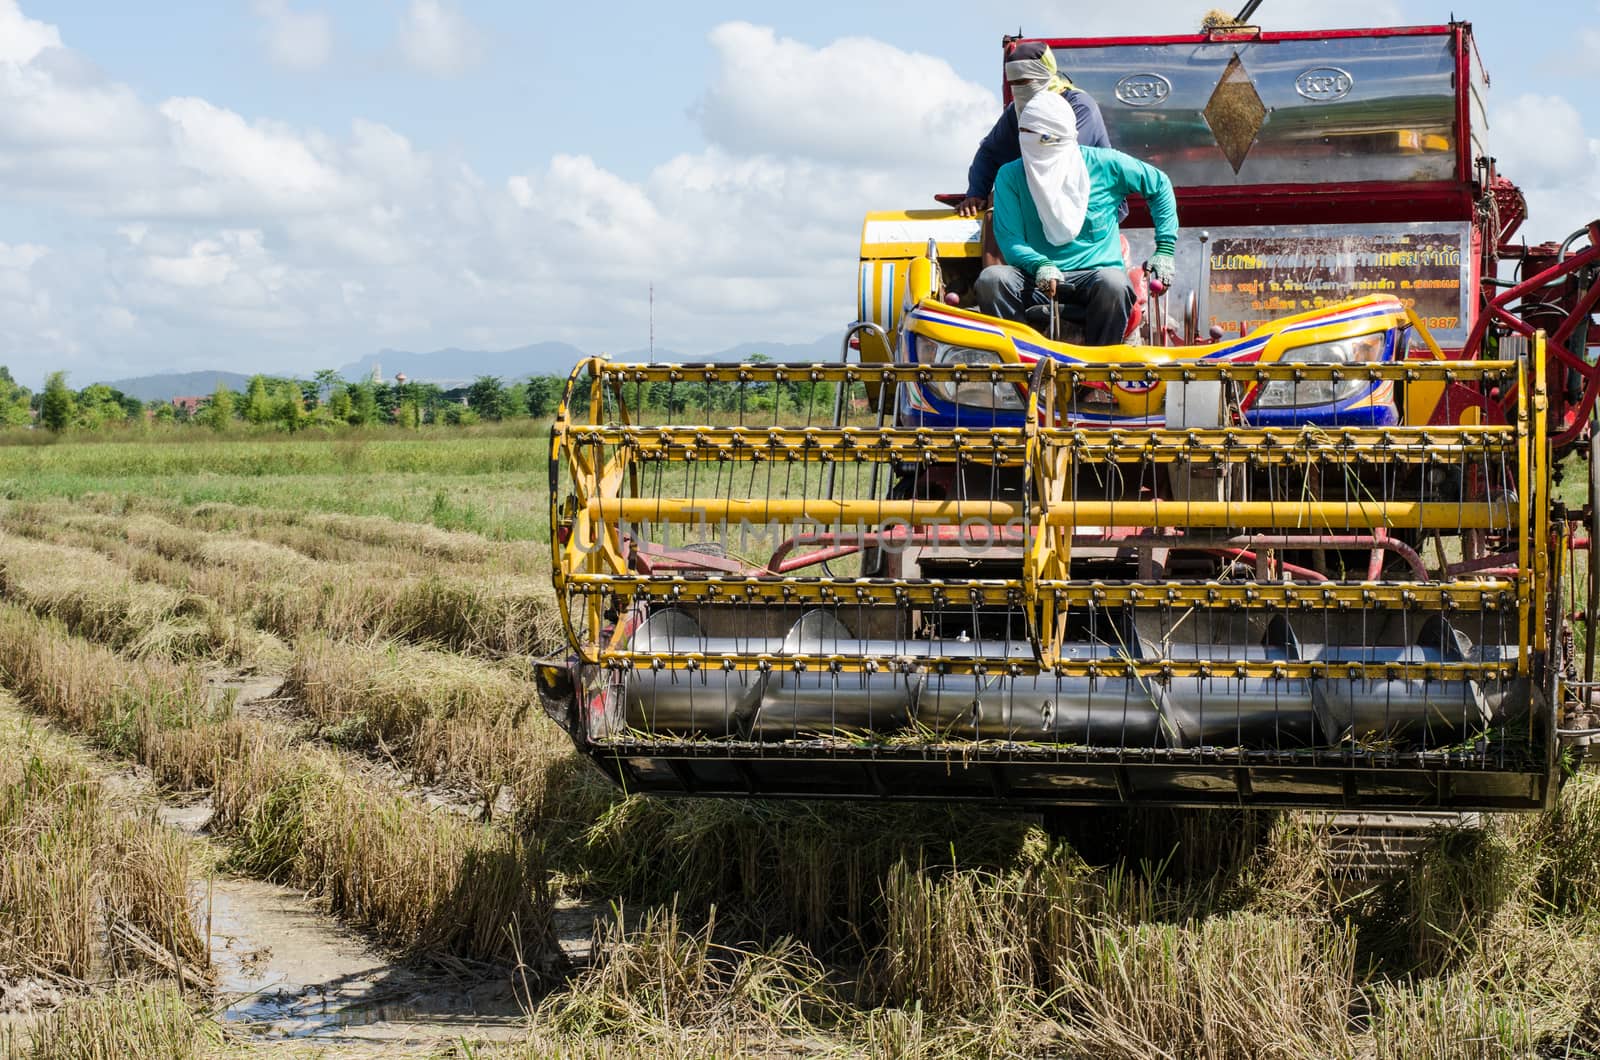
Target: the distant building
pixel 188 406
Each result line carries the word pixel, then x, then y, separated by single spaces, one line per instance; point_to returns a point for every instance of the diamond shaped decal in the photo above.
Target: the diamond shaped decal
pixel 1235 113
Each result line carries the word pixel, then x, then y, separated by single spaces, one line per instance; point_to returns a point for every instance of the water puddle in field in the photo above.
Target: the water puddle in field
pixel 284 970
pixel 244 693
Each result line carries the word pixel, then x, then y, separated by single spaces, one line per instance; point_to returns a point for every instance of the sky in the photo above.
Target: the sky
pixel 285 185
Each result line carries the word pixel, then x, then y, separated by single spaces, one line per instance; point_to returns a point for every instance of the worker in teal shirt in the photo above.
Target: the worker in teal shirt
pixel 1055 221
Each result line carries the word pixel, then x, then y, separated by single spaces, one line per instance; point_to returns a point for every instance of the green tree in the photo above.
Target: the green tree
pixel 486 396
pixel 339 404
pixel 57 407
pixel 363 403
pixel 15 401
pixel 514 402
pixel 387 397
pixel 408 415
pixel 290 408
pixel 219 413
pixel 429 398
pixel 543 391
pixel 97 405
pixel 327 381
pixel 458 415
pixel 258 404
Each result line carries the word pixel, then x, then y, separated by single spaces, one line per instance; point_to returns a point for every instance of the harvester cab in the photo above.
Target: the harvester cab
pixel 1296 543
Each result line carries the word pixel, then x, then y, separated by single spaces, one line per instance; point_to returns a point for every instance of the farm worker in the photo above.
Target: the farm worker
pixel 1055 221
pixel 1030 70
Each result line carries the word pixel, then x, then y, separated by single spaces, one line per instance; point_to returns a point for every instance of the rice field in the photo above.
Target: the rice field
pixel 319 652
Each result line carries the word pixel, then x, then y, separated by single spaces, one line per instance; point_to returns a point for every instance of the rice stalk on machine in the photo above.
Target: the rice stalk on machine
pixel 1298 542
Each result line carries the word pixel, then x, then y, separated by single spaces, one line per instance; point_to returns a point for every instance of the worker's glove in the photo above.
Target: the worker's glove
pixel 1046 279
pixel 1162 265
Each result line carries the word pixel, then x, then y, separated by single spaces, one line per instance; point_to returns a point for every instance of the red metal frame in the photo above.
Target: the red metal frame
pixel 1267 36
pixel 1267 204
pixel 1559 359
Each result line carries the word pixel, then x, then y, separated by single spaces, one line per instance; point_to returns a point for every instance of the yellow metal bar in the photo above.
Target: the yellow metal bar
pixel 1303 515
pixel 700 437
pixel 1141 669
pixel 1422 397
pixel 1007 446
pixel 1183 371
pixel 1488 595
pixel 1524 524
pixel 1539 472
pixel 1284 437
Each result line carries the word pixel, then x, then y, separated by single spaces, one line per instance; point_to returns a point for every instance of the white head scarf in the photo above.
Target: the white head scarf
pixel 1057 177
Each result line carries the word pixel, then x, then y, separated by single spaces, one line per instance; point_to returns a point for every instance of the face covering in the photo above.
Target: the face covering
pixel 1029 77
pixel 1058 180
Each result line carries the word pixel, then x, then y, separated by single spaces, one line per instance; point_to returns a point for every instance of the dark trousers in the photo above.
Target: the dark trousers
pixel 1103 296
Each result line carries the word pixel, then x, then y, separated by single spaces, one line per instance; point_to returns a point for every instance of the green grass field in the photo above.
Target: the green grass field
pixel 391 590
pixel 493 485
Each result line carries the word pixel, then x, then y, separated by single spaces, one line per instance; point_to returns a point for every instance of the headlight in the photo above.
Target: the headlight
pixel 981 393
pixel 1290 393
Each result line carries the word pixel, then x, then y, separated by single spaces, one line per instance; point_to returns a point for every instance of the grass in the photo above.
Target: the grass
pixel 446 453
pixel 86 890
pixel 450 718
pixel 812 870
pixel 98 600
pixel 664 977
pixel 273 589
pixel 129 1022
pixel 491 487
pixel 398 585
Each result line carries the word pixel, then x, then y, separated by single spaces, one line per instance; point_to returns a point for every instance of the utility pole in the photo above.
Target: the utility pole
pixel 652 321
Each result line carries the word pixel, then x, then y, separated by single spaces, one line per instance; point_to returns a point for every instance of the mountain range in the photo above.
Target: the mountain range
pixel 454 366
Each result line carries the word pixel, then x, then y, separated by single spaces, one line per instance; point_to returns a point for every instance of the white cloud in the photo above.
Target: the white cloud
pixel 295 40
pixel 207 264
pixel 436 39
pixel 855 100
pixel 56 103
pixel 1540 140
pixel 1540 143
pixel 20 256
pixel 21 38
pixel 31 334
pixel 261 164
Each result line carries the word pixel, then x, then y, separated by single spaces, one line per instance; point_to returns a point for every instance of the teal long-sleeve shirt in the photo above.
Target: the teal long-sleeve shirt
pixel 1112 177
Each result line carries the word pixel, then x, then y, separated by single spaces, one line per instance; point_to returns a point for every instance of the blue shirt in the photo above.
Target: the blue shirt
pixel 1112 177
pixel 1001 145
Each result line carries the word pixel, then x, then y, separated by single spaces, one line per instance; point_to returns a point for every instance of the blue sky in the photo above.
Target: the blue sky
pixel 287 184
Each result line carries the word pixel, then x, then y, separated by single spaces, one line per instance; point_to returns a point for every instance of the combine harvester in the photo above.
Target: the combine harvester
pixel 1297 544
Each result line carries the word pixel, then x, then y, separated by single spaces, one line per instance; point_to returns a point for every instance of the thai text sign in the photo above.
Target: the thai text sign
pixel 1256 278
